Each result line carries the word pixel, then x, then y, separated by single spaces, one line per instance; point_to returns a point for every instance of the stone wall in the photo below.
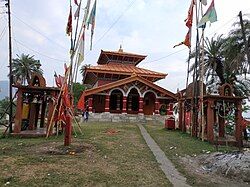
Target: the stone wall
pixel 127 118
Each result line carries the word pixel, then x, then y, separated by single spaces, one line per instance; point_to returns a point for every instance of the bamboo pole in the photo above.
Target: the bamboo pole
pixel 202 124
pixel 54 110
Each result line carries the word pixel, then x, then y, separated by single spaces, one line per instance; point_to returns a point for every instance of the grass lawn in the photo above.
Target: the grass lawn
pixel 176 144
pixel 106 155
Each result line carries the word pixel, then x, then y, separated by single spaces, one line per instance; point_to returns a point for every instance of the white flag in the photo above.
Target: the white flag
pixel 80 51
pixel 204 2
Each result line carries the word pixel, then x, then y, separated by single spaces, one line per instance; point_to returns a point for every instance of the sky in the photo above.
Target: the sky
pixel 147 27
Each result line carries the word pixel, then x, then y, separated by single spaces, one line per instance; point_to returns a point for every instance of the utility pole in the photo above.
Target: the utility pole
pixel 10 69
pixel 244 39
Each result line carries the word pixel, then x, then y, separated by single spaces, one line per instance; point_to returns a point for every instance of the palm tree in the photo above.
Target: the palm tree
pixel 213 59
pixel 224 63
pixel 23 66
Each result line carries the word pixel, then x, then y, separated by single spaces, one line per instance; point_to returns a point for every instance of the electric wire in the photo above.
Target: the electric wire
pixel 113 24
pixel 3 32
pixel 52 58
pixel 116 21
pixel 161 58
pixel 37 31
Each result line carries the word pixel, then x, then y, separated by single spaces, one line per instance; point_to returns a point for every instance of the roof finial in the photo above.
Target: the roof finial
pixel 120 50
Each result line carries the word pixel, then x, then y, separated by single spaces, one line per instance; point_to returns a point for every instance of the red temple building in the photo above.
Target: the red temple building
pixel 117 85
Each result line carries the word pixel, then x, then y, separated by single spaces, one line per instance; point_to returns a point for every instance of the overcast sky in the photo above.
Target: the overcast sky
pixel 148 27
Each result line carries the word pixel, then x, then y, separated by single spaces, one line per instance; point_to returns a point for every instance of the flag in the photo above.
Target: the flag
pixel 69 24
pixel 77 12
pixel 210 15
pixel 86 13
pixel 204 2
pixel 91 21
pixel 187 40
pixel 189 20
pixel 76 2
pixel 81 102
pixel 80 51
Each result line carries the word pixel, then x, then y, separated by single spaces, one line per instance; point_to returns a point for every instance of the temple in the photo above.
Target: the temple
pixel 117 85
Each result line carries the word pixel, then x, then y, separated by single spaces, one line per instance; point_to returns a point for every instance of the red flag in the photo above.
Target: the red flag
pixel 59 81
pixel 187 40
pixel 69 24
pixel 189 20
pixel 66 97
pixel 81 102
pixel 76 2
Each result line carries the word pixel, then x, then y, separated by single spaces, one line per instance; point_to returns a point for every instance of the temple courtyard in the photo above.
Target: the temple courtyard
pixel 119 154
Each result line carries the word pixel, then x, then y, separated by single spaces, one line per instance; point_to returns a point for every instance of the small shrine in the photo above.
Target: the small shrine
pixel 118 85
pixel 35 105
pixel 222 116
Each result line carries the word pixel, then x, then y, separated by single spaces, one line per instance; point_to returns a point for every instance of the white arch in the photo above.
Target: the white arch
pixel 143 95
pixel 138 90
pixel 123 93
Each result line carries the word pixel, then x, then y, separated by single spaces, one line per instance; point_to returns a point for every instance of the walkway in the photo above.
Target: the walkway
pixel 166 165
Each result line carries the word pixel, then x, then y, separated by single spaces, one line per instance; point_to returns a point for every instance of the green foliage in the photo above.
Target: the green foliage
pixel 225 60
pixel 77 90
pixel 4 104
pixel 23 66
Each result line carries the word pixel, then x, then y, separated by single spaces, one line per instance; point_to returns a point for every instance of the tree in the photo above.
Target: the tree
pixel 213 59
pixel 4 104
pixel 23 66
pixel 225 60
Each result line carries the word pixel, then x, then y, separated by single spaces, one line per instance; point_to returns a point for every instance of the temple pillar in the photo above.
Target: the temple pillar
pixel 107 99
pixel 157 106
pixel 19 111
pixel 129 103
pixel 238 121
pixel 221 127
pixel 90 104
pixel 33 115
pixel 118 102
pixel 140 105
pixel 180 112
pixel 124 104
pixel 210 121
pixel 44 103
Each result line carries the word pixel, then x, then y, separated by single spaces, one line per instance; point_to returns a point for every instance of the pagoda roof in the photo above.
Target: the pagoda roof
pixel 127 70
pixel 126 81
pixel 120 57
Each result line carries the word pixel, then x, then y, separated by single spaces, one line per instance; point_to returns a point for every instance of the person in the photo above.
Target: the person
pixel 86 114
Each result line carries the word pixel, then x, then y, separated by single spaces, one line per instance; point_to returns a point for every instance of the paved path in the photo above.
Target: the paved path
pixel 166 165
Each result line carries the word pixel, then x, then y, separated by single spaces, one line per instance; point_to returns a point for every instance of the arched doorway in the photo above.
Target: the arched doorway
pixel 133 101
pixel 149 103
pixel 115 104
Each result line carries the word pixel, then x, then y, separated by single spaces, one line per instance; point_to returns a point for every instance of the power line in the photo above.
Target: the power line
pixel 3 32
pixel 158 59
pixel 32 28
pixel 52 58
pixel 128 7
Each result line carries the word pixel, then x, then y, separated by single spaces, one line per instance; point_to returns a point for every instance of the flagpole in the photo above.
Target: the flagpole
pixel 194 100
pixel 10 70
pixel 201 82
pixel 74 49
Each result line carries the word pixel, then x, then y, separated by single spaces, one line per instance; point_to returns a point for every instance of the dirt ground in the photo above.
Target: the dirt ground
pixel 221 169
